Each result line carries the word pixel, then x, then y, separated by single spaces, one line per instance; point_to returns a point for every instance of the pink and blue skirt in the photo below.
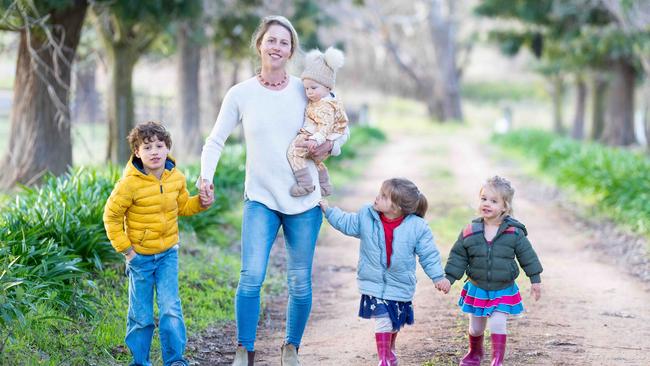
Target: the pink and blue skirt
pixel 478 302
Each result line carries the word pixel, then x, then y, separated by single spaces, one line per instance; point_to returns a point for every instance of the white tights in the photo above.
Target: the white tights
pixel 497 322
pixel 383 325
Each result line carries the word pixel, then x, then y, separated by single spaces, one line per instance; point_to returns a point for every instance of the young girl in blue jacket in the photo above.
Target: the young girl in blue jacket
pixel 392 232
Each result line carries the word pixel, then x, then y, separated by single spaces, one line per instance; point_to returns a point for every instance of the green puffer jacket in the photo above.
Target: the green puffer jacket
pixel 493 267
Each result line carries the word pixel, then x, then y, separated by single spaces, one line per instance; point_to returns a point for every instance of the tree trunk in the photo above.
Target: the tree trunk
pixel 39 140
pixel 213 85
pixel 598 107
pixel 86 99
pixel 579 117
pixel 619 127
pixel 557 94
pixel 443 33
pixel 189 61
pixel 234 78
pixel 121 61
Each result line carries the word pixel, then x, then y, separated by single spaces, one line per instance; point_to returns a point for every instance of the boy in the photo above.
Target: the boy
pixel 325 119
pixel 140 218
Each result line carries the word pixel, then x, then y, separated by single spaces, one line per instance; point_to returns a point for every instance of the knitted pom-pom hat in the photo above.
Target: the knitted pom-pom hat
pixel 322 67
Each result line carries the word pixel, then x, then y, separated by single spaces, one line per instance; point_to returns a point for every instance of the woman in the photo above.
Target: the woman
pixel 270 107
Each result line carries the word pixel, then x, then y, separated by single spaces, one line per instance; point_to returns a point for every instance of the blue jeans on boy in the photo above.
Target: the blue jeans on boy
pixel 146 272
pixel 260 227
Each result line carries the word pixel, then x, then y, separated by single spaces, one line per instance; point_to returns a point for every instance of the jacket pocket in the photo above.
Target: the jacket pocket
pixel 514 270
pixel 144 236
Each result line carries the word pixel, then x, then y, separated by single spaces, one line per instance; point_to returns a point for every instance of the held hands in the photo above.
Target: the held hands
pixel 206 193
pixel 536 290
pixel 443 285
pixel 324 205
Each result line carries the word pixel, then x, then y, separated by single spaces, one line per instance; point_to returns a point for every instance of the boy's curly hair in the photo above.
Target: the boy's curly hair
pixel 144 132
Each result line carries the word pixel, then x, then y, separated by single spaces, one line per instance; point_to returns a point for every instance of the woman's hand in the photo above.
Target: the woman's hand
pixel 322 151
pixel 536 290
pixel 206 193
pixel 307 144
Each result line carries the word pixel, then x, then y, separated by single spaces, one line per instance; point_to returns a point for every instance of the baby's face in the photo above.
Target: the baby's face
pixel 314 90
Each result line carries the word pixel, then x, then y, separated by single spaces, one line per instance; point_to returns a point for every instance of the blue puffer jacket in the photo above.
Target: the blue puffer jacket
pixel 413 236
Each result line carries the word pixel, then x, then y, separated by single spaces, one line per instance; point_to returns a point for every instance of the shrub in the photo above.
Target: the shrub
pixel 619 179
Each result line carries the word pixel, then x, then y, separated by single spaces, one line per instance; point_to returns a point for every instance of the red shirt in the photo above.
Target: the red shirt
pixel 389 227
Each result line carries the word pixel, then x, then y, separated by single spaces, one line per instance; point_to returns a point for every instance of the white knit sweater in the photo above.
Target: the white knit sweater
pixel 271 119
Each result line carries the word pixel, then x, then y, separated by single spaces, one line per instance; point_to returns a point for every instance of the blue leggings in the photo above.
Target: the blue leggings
pixel 259 229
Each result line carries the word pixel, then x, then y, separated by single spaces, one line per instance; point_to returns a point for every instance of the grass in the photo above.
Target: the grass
pixel 615 181
pixel 208 277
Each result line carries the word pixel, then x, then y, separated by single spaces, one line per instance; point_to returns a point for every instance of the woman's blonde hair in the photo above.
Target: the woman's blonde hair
pixel 264 26
pixel 406 196
pixel 503 188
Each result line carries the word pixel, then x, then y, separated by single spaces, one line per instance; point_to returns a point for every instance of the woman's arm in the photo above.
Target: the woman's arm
pixel 228 118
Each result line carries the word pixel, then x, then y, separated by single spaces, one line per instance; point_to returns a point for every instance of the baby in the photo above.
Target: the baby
pixel 325 119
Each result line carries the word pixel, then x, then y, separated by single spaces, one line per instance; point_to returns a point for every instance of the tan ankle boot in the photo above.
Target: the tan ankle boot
pixel 289 355
pixel 304 185
pixel 243 357
pixel 324 181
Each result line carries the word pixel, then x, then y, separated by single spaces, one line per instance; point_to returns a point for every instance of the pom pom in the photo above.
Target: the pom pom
pixel 312 56
pixel 334 58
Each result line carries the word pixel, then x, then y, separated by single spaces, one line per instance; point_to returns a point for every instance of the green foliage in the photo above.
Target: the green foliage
pixel 491 92
pixel 618 180
pixel 234 26
pixel 228 189
pixel 566 35
pixel 360 136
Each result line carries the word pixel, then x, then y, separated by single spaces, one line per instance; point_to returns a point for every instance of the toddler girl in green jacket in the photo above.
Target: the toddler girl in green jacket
pixel 486 250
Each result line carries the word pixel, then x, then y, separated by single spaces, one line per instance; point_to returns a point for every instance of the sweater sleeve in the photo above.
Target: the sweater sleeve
pixel 428 255
pixel 229 117
pixel 458 261
pixel 116 206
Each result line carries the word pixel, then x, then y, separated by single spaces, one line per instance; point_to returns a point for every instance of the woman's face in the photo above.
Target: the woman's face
pixel 275 48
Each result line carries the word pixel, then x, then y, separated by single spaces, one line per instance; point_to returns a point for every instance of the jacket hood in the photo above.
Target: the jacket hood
pixel 508 221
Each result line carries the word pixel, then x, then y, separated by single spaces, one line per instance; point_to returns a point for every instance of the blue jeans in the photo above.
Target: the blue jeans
pixel 259 229
pixel 146 272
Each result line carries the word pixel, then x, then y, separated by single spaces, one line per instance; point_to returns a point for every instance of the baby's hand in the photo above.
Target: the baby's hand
pixel 536 290
pixel 443 285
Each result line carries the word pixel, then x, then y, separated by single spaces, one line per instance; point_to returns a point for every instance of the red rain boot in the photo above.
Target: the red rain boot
pixel 392 357
pixel 498 349
pixel 383 348
pixel 475 354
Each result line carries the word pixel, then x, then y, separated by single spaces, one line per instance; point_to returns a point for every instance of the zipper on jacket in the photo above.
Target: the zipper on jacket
pixel 161 188
pixel 489 272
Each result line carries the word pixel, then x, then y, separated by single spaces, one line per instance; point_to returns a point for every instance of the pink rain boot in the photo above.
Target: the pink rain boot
pixel 475 354
pixel 392 357
pixel 498 349
pixel 383 348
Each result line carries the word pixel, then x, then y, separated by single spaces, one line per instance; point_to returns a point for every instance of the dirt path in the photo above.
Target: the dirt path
pixel 590 313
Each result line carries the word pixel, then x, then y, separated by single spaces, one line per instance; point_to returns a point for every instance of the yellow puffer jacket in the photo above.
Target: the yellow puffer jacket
pixel 142 211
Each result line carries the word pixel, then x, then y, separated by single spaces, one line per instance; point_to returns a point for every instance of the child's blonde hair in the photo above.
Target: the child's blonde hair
pixel 405 194
pixel 503 188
